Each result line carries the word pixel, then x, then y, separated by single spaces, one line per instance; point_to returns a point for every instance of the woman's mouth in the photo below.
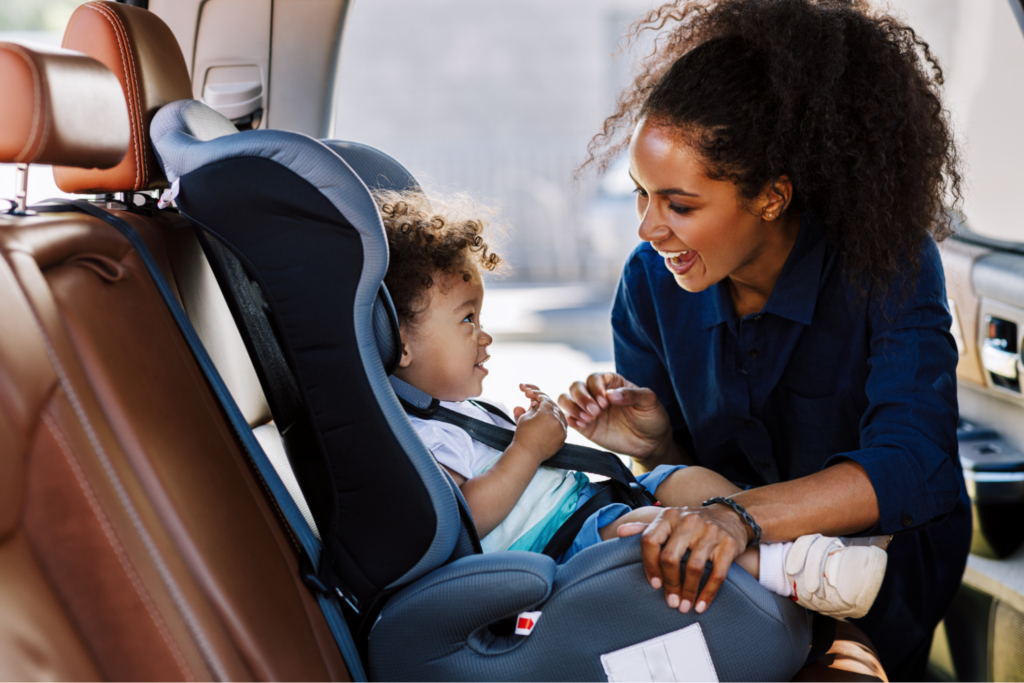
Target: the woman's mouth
pixel 679 262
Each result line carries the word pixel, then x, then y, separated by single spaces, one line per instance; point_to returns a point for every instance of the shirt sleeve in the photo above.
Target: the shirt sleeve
pixel 637 357
pixel 449 445
pixel 908 432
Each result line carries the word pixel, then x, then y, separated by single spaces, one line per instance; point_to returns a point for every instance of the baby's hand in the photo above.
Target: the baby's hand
pixel 540 430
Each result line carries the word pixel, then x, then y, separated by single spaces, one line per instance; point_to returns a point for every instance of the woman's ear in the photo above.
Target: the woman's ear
pixel 775 198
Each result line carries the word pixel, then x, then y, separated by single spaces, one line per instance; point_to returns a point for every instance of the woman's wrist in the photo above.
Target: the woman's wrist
pixel 666 452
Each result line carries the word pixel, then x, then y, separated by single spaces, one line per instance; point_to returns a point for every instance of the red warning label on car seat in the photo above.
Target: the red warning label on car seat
pixel 525 623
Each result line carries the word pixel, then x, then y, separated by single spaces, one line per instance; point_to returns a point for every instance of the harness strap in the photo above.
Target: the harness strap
pixel 568 457
pixel 566 534
pixel 314 557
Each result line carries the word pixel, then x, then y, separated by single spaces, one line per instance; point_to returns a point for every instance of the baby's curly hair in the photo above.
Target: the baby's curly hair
pixel 844 101
pixel 430 242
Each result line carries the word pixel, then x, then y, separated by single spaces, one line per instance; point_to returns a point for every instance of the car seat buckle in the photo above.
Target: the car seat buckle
pixel 525 623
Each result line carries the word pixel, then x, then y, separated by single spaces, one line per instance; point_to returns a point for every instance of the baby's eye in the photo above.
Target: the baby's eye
pixel 468 319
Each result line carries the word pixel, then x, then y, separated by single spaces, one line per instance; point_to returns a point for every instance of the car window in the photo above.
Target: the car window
pixel 980 46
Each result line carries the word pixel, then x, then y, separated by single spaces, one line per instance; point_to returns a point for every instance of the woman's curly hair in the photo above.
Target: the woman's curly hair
pixel 843 101
pixel 431 242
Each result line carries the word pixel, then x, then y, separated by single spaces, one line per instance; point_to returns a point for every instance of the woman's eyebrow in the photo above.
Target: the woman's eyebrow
pixel 668 191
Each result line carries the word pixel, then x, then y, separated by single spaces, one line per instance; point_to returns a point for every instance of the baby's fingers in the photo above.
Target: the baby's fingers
pixel 631 529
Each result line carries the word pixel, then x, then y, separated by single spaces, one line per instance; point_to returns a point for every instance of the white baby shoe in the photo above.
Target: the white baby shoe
pixel 833 578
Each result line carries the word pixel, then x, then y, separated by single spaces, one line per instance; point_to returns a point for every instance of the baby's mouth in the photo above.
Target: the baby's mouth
pixel 480 365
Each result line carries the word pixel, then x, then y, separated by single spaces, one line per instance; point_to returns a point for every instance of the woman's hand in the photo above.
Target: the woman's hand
pixel 713 533
pixel 616 414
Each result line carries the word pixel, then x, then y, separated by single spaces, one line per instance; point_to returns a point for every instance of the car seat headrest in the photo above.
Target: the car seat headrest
pixel 60 107
pixel 140 50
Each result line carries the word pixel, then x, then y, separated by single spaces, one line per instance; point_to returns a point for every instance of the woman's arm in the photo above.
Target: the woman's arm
pixel 836 501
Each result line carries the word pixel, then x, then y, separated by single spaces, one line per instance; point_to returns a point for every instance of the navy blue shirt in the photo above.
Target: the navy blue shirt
pixel 822 374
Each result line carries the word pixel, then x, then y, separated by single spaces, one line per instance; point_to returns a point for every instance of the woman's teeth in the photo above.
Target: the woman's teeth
pixel 673 254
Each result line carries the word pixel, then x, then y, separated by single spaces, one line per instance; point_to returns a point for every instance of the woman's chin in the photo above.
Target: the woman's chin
pixel 692 284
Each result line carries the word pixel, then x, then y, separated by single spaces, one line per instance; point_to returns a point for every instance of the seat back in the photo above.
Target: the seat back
pixel 301 249
pixel 136 541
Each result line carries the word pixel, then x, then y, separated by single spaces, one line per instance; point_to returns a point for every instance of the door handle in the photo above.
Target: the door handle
pixel 998 361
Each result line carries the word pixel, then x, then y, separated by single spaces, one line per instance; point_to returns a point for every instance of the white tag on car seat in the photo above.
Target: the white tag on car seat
pixel 525 623
pixel 168 195
pixel 678 656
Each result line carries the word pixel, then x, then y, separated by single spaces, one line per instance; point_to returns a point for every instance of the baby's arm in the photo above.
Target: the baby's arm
pixel 540 432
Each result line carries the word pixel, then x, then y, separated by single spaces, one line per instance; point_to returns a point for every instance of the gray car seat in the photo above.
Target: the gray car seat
pixel 295 239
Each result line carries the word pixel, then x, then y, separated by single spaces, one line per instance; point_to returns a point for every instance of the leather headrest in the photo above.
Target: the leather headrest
pixel 143 54
pixel 59 107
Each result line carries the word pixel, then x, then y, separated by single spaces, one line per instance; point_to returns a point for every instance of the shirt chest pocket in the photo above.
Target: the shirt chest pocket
pixel 817 428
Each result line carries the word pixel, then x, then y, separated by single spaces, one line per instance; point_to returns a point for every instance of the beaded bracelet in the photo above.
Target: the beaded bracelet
pixel 738 509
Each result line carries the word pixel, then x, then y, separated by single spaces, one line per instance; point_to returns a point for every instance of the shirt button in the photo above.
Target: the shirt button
pixel 907 520
pixel 757 317
pixel 752 353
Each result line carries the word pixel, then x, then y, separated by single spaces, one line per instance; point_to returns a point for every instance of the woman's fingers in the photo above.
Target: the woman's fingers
pixel 662 547
pixel 722 559
pixel 596 386
pixel 700 552
pixel 665 542
pixel 588 407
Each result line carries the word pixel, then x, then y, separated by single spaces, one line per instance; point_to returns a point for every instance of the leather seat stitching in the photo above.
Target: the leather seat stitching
pixel 51 420
pixel 211 658
pixel 37 107
pixel 143 137
pixel 128 86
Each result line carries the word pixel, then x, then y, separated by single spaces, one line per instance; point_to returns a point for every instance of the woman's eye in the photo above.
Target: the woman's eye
pixel 639 191
pixel 682 210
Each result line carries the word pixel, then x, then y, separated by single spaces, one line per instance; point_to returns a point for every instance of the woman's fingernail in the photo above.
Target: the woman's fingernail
pixel 685 606
pixel 602 401
pixel 594 409
pixel 701 606
pixel 673 600
pixel 655 583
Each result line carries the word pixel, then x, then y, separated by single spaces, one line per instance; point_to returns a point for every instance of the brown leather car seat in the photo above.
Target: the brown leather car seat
pixel 136 543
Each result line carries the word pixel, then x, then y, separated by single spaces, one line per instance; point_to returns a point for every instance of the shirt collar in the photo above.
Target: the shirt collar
pixel 796 291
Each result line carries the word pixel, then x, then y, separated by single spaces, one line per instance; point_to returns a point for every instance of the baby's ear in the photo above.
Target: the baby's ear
pixel 406 357
pixel 403 333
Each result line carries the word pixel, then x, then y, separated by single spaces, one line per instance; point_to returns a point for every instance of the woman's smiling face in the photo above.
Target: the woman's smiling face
pixel 703 227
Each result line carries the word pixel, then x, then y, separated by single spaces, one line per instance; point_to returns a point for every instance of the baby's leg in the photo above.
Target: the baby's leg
pixel 691 486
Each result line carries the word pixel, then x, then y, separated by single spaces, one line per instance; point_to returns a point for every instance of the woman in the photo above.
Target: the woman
pixel 785 321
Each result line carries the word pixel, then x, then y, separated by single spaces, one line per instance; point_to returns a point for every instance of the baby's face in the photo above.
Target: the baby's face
pixel 445 351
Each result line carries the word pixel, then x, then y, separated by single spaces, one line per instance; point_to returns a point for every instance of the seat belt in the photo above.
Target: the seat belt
pixel 311 550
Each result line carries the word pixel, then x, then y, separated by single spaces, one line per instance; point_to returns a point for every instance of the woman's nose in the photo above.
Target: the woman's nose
pixel 651 228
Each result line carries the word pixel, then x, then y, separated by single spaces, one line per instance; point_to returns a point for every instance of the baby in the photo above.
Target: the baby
pixel 437 252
